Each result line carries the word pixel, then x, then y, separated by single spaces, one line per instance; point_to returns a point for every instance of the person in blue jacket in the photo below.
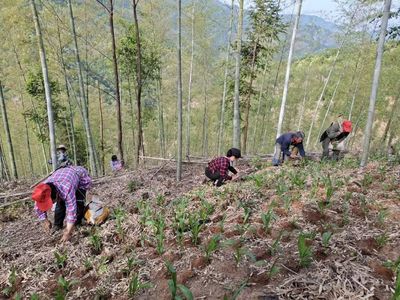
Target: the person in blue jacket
pixel 282 146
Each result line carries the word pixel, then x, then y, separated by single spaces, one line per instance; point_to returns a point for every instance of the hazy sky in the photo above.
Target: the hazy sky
pixel 318 7
pixel 311 7
pixel 327 9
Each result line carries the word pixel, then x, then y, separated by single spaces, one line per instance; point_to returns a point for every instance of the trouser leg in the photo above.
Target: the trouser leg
pixel 59 214
pixel 336 155
pixel 276 160
pixel 215 177
pixel 80 205
pixel 325 148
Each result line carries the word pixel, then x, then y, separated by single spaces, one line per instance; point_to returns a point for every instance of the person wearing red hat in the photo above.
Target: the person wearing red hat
pixel 333 136
pixel 67 188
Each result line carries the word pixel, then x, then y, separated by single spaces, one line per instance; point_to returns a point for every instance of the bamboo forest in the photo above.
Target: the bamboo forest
pixel 200 149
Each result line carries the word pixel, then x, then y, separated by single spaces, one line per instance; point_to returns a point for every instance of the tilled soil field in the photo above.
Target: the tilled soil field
pixel 309 231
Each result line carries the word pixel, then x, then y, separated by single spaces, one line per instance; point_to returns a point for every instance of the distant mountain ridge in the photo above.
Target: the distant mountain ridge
pixel 315 34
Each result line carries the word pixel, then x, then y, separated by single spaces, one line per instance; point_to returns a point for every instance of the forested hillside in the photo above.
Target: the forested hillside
pixel 351 66
pixel 113 113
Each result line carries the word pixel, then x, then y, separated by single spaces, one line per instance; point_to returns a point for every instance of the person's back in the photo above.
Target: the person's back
pixel 67 188
pixel 334 135
pixel 217 169
pixel 116 165
pixel 283 143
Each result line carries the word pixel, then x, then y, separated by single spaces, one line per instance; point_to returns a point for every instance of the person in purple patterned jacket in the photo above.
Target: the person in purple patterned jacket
pixel 67 188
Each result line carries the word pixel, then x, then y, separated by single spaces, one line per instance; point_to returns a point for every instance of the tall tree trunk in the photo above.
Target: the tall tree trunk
pixel 264 125
pixel 179 104
pixel 46 86
pixel 353 134
pixel 8 134
pixel 84 103
pixel 259 106
pixel 161 119
pixel 289 63
pixel 316 111
pixel 140 145
pixel 248 98
pixel 236 103
pixel 87 61
pixel 205 118
pixel 315 114
pixel 302 108
pixel 67 124
pixel 132 115
pixel 222 114
pixel 261 93
pixel 190 87
pixel 328 110
pixel 101 131
pixel 45 162
pixel 3 165
pixel 267 109
pixel 392 113
pixel 71 115
pixel 354 97
pixel 375 83
pixel 116 79
pixel 27 138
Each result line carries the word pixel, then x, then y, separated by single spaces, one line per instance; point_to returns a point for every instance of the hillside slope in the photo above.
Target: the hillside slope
pixel 242 239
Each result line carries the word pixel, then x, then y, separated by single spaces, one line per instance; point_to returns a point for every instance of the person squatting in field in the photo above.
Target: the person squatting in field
pixel 217 169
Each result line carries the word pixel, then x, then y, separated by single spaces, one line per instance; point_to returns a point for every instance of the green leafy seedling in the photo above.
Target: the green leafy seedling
pixel 88 264
pixel 212 246
pixel 119 215
pixel 12 280
pixel 135 286
pixel 274 270
pixel 96 242
pixel 382 239
pixel 267 219
pixel 326 237
pixel 382 215
pixel 396 294
pixel 34 296
pixel 222 223
pixel 305 253
pixel 276 244
pixel 195 227
pixel 160 200
pixel 64 287
pixel 61 259
pixel 367 180
pixel 175 288
pixel 130 264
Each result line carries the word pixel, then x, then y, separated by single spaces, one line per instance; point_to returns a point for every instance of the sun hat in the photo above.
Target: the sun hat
pixel 42 196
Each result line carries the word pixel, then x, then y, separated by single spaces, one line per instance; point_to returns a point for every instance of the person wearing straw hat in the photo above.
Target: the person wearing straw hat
pixel 67 188
pixel 62 156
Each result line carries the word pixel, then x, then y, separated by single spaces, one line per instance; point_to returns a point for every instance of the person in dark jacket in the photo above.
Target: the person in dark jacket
pixel 283 144
pixel 218 169
pixel 334 135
